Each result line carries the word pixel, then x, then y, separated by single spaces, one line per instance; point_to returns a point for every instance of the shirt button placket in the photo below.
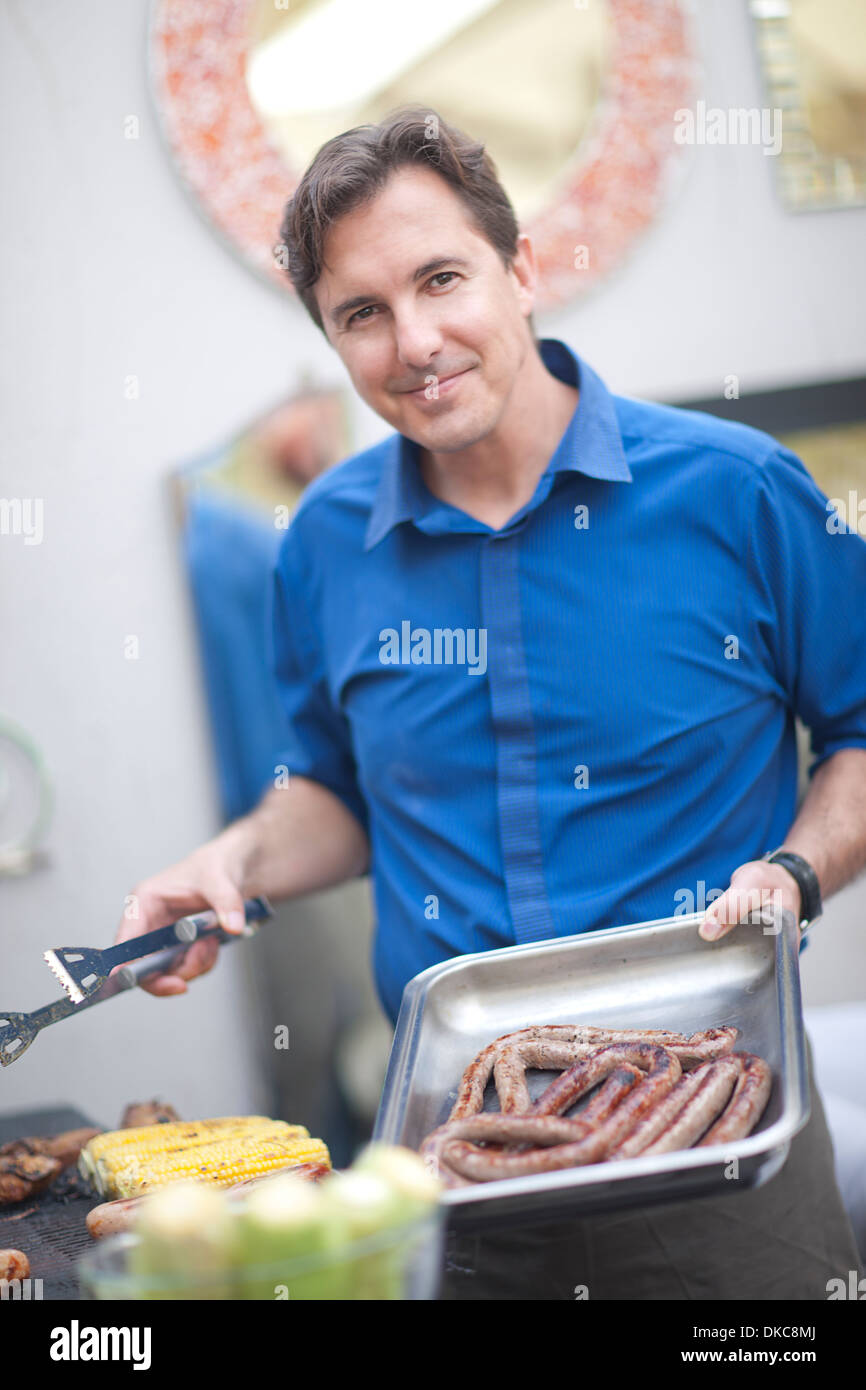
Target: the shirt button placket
pixel 514 733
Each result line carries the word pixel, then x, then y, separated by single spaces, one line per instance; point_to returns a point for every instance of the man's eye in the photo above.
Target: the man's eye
pixel 359 312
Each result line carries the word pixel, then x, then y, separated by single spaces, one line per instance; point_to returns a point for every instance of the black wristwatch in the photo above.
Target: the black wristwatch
pixel 811 906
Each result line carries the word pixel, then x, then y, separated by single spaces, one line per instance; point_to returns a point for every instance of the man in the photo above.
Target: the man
pixel 540 654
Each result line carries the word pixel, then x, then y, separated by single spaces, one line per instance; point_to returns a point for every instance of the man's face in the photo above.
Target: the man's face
pixel 436 330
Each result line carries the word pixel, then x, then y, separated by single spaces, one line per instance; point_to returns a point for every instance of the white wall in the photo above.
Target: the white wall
pixel 107 270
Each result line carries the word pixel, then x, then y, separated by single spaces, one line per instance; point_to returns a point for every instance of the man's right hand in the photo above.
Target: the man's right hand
pixel 208 878
pixel 299 839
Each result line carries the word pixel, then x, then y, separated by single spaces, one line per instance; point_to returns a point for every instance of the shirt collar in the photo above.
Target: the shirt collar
pixel 592 444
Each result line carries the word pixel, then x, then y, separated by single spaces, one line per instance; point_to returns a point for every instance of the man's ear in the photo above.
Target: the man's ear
pixel 524 270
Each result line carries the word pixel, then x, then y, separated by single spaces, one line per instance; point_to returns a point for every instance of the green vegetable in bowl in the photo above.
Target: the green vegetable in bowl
pixel 414 1188
pixel 412 1193
pixel 354 1235
pixel 284 1221
pixel 362 1204
pixel 185 1245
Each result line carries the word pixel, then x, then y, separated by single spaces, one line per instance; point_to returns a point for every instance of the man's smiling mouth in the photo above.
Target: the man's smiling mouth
pixel 432 389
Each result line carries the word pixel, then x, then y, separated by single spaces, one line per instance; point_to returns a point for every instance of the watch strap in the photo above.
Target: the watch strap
pixel 811 906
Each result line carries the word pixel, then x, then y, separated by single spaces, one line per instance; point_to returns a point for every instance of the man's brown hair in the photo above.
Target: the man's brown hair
pixel 351 169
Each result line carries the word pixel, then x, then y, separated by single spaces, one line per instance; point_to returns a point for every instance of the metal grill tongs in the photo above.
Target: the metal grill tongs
pixel 84 971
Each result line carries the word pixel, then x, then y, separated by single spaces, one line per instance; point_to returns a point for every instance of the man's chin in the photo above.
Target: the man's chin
pixel 441 436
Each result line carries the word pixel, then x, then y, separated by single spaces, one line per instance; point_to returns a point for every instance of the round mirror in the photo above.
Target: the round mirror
pixel 574 99
pixel 523 76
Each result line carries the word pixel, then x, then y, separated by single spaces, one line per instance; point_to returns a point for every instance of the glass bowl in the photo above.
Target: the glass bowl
pixel 402 1263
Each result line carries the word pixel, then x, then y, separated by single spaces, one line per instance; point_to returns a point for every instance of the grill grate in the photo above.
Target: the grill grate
pixel 49 1228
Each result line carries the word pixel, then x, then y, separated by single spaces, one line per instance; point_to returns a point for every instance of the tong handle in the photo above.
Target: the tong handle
pixel 185 930
pixel 161 962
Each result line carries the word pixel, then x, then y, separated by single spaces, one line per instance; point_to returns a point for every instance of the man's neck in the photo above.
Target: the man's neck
pixel 493 479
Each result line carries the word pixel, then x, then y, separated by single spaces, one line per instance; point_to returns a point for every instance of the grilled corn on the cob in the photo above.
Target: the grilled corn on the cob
pixel 107 1152
pixel 157 1138
pixel 223 1151
pixel 222 1163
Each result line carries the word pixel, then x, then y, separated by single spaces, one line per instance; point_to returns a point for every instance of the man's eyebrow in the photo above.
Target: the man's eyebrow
pixel 428 268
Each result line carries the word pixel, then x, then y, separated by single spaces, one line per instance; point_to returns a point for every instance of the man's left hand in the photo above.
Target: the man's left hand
pixel 754 886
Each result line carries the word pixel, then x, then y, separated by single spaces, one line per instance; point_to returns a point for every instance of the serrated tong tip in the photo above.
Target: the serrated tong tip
pixel 59 970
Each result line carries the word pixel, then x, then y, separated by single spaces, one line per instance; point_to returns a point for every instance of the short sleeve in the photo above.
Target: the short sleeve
pixel 809 569
pixel 317 742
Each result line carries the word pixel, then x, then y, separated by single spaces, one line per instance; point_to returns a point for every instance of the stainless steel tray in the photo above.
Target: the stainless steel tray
pixel 658 974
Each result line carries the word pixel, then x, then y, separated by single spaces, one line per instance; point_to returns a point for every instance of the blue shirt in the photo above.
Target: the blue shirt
pixel 578 720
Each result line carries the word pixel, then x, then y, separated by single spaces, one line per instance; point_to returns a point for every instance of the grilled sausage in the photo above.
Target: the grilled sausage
pixel 747 1103
pixel 704 1047
pixel 310 1172
pixel 111 1218
pixel 700 1109
pixel 658 1062
pixel 555 1147
pixel 470 1094
pixel 657 1091
pixel 14 1264
pixel 485 1165
pixel 661 1115
pixel 593 1137
pixel 542 1130
pixel 539 1043
pixel 511 1063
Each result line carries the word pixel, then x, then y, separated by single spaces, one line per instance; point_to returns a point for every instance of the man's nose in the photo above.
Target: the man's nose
pixel 417 339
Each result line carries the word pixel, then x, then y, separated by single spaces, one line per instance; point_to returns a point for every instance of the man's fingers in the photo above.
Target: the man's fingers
pixel 734 906
pixel 198 960
pixel 188 888
pixel 715 925
pixel 228 904
pixel 737 905
pixel 232 919
pixel 145 910
pixel 161 986
pixel 757 894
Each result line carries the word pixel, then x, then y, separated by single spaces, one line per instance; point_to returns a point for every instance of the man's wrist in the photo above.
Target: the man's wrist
pixel 806 879
pixel 240 843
